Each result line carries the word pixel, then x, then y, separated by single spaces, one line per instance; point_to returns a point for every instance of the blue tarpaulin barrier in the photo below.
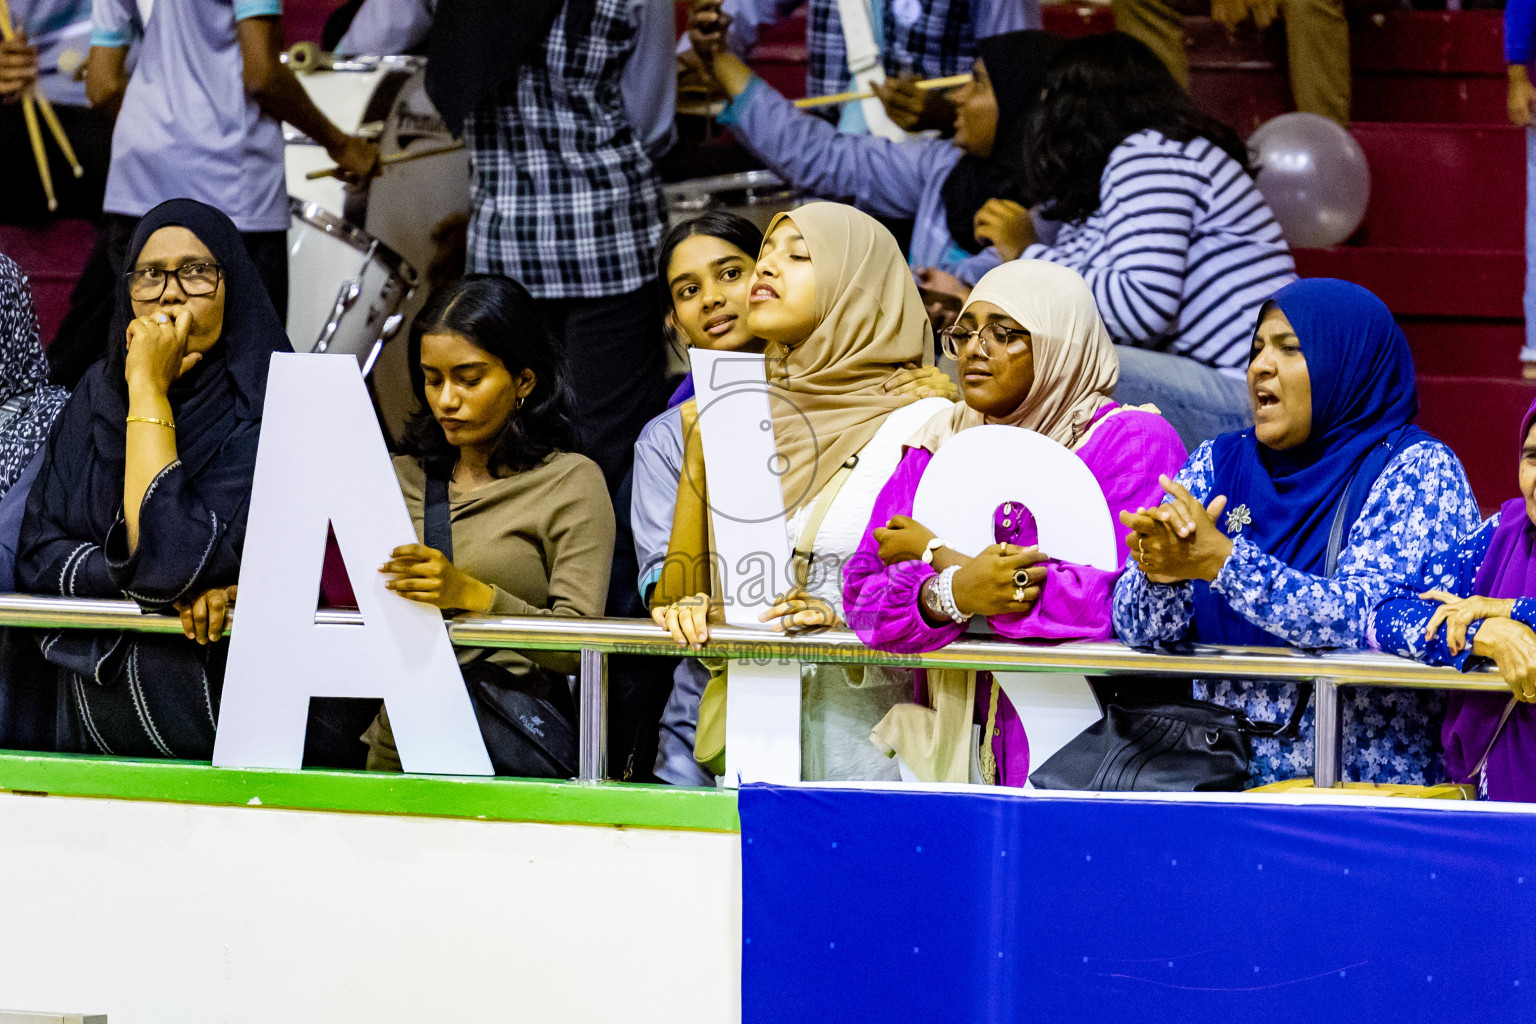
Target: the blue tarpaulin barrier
pixel 945 908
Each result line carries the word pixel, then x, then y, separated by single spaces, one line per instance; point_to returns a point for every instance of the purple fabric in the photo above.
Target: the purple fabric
pixel 1472 719
pixel 1125 454
pixel 1014 523
pixel 683 393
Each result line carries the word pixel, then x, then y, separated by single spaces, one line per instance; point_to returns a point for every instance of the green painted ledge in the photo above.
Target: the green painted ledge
pixel 197 782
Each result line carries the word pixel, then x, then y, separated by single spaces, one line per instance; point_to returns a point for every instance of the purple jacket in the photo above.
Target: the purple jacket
pixel 1126 455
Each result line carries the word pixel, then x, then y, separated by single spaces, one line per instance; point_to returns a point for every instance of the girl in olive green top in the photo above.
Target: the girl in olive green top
pixel 531 523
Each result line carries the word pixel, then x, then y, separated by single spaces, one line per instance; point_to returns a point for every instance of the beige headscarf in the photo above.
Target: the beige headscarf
pixel 829 390
pixel 1076 367
pixel 1075 373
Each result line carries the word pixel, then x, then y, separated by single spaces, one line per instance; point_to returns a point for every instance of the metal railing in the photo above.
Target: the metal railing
pixel 595 639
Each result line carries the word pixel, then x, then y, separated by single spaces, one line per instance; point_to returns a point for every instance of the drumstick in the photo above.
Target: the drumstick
pixel 388 161
pixel 8 30
pixel 58 132
pixel 29 112
pixel 926 85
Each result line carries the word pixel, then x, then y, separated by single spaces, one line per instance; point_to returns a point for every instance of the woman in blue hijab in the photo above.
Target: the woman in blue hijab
pixel 1289 533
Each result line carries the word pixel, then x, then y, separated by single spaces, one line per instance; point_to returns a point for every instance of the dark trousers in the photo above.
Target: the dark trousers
pixel 82 336
pixel 616 361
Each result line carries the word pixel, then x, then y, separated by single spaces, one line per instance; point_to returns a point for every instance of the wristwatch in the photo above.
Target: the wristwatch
pixel 933 545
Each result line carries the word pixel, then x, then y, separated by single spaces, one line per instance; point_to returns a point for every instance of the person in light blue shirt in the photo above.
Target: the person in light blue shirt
pixel 648 84
pixel 941 185
pixel 201 118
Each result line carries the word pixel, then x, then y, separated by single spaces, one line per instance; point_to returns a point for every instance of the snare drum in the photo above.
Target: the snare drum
pixel 758 196
pixel 384 98
pixel 346 289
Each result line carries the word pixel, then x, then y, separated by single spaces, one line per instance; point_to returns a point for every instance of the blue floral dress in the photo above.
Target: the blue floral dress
pixel 1397 625
pixel 1414 516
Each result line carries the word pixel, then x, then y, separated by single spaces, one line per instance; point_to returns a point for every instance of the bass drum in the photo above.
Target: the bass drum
pixel 385 98
pixel 346 290
pixel 416 209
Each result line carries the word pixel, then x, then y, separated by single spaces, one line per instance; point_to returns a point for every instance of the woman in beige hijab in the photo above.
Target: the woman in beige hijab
pixel 1033 353
pixel 835 302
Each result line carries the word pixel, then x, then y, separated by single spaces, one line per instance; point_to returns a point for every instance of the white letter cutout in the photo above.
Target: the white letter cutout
pixel 322 460
pixel 967 480
pixel 762 706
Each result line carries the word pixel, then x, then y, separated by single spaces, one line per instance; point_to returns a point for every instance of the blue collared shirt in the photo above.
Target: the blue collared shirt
pixel 187 127
pixel 885 178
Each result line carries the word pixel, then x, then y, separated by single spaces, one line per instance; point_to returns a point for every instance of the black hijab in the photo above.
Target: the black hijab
pixel 477 45
pixel 1016 67
pixel 229 385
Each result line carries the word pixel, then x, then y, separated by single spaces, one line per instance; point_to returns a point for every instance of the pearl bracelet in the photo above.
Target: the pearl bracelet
pixel 946 595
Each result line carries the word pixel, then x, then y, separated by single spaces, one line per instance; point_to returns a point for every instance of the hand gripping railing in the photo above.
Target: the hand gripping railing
pixel 595 639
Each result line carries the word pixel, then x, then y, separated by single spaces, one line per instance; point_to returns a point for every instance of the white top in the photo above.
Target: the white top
pixel 843 529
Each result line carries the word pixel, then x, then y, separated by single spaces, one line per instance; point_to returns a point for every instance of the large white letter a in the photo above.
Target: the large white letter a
pixel 321 460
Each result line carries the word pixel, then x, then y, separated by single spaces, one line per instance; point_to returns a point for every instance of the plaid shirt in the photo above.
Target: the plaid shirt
pixel 563 197
pixel 928 38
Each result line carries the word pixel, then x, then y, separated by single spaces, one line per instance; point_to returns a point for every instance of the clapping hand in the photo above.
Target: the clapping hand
pixel 1179 539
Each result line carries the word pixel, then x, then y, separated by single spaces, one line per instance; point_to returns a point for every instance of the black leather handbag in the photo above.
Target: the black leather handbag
pixel 1174 746
pixel 527 721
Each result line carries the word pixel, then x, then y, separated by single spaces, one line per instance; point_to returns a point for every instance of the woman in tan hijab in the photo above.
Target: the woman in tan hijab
pixel 835 302
pixel 1032 353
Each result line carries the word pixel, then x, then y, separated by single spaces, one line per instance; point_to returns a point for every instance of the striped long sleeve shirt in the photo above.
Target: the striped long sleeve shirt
pixel 1182 251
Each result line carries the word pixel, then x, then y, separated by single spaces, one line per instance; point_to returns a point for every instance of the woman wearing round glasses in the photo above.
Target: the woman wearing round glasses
pixel 145 484
pixel 1032 353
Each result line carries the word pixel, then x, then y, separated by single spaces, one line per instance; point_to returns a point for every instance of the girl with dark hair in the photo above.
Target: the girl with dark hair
pixel 706 266
pixel 941 185
pixel 528 522
pixel 836 305
pixel 1162 218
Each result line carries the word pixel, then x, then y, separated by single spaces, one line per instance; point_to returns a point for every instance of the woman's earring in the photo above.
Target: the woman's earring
pixel 520 400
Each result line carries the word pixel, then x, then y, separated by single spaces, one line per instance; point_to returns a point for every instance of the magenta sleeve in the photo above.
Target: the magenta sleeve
pixel 879 601
pixel 1126 454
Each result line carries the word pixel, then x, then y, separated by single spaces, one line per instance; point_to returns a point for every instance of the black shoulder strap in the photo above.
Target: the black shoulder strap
pixel 1354 497
pixel 436 526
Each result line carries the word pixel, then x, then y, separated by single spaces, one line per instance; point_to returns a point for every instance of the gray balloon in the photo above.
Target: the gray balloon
pixel 1314 176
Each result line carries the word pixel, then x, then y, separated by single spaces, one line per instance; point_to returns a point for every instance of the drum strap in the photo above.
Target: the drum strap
pixel 864 65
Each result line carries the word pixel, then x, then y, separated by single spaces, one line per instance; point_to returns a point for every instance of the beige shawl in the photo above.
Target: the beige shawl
pixel 828 392
pixel 1076 367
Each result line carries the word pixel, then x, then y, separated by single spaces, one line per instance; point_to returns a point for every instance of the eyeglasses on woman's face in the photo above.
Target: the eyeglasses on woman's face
pixel 148 284
pixel 996 340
